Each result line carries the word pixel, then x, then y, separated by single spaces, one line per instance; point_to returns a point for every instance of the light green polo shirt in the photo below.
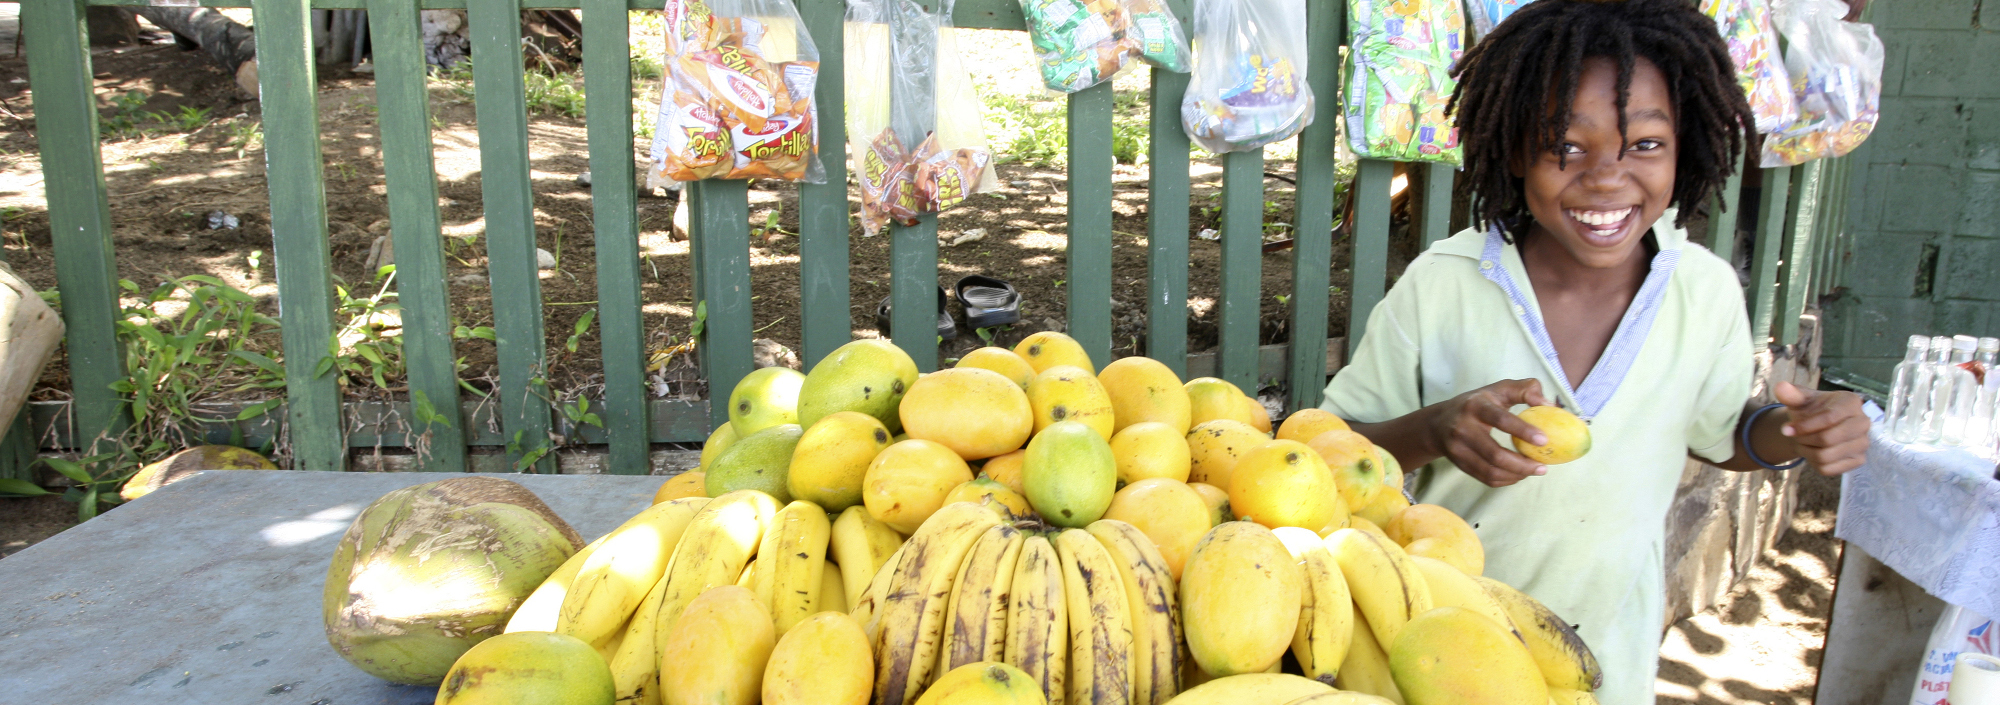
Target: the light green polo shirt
pixel 1587 538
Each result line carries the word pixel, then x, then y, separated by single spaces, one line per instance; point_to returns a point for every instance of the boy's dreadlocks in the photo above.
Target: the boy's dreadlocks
pixel 1516 87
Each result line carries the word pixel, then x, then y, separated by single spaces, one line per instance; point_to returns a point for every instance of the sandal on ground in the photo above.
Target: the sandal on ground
pixel 945 328
pixel 988 302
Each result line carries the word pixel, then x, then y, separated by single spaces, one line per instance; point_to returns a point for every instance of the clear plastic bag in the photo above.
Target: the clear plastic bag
pixel 1958 630
pixel 1753 46
pixel 1399 79
pixel 914 120
pixel 738 96
pixel 1249 85
pixel 1081 43
pixel 1836 72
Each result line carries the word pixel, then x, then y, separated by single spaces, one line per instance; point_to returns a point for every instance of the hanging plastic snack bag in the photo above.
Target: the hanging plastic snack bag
pixel 1753 46
pixel 1249 86
pixel 738 101
pixel 1155 34
pixel 1487 14
pixel 1078 43
pixel 1400 79
pixel 1836 70
pixel 914 120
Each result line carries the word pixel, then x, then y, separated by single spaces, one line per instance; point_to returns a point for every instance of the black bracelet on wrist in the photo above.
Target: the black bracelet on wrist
pixel 1752 452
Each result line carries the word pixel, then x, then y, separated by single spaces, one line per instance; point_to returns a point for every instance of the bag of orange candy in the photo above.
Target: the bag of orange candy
pixel 738 96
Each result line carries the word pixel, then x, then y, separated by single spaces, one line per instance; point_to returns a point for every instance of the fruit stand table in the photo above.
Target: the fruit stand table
pixel 208 590
pixel 1921 524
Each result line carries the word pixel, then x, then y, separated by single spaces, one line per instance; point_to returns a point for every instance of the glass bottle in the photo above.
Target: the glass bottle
pixel 1964 389
pixel 1909 394
pixel 1938 392
pixel 1983 411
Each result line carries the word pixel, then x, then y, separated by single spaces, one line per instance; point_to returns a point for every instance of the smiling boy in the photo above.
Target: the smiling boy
pixel 1593 130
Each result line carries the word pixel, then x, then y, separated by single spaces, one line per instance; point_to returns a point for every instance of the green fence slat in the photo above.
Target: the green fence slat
pixel 1795 270
pixel 913 286
pixel 721 218
pixel 403 99
pixel 59 72
pixel 827 321
pixel 1167 225
pixel 1242 268
pixel 508 197
pixel 287 84
pixel 1434 217
pixel 1722 219
pixel 1764 256
pixel 1371 245
pixel 607 94
pixel 1089 188
pixel 1313 204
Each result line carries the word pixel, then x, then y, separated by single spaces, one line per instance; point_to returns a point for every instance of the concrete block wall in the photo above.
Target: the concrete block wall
pixel 1924 205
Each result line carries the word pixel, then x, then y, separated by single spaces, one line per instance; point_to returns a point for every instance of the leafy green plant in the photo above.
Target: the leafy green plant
pixel 185 119
pixel 377 353
pixel 582 327
pixel 123 119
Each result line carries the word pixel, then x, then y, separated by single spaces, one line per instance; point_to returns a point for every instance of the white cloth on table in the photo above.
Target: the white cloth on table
pixel 1932 514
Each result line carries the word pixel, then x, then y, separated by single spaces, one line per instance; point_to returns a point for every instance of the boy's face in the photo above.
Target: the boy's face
pixel 1600 204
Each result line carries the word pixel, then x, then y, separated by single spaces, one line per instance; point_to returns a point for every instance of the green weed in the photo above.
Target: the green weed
pixel 1034 130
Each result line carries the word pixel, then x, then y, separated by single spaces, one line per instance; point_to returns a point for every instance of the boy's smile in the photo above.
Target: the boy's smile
pixel 1596 193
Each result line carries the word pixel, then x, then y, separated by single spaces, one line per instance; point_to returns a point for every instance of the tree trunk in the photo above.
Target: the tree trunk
pixel 229 43
pixel 111 26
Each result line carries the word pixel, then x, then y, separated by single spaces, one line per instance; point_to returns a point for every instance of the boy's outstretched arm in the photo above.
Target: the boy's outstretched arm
pixel 1828 429
pixel 1461 429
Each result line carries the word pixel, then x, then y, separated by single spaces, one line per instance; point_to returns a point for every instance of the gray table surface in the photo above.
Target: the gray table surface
pixel 208 590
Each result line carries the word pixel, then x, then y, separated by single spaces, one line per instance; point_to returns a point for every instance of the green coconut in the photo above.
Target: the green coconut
pixel 427 572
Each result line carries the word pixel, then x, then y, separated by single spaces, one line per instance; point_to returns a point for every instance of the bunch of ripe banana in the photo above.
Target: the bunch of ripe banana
pixel 1087 615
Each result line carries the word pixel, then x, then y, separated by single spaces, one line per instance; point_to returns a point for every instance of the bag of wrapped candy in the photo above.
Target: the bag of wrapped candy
pixel 1753 46
pixel 1399 79
pixel 1836 70
pixel 914 121
pixel 738 96
pixel 1081 43
pixel 1249 85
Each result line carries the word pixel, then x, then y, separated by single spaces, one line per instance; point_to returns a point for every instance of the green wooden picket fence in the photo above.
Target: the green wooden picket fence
pixel 322 428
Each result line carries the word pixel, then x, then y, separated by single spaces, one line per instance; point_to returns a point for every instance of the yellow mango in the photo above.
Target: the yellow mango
pixel 1284 483
pixel 990 493
pixel 716 652
pixel 869 376
pixel 1065 393
pixel 1357 469
pixel 1452 655
pixel 1260 417
pixel 1143 389
pixel 1430 521
pixel 1306 424
pixel 1210 398
pixel 1388 503
pixel 1069 474
pixel 1172 514
pixel 1450 587
pixel 1006 469
pixel 1000 360
pixel 1568 436
pixel 764 398
pixel 692 483
pixel 528 667
pixel 908 481
pixel 1216 499
pixel 984 683
pixel 824 660
pixel 1051 349
pixel 1214 446
pixel 1150 449
pixel 975 412
pixel 718 441
pixel 832 457
pixel 1240 598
